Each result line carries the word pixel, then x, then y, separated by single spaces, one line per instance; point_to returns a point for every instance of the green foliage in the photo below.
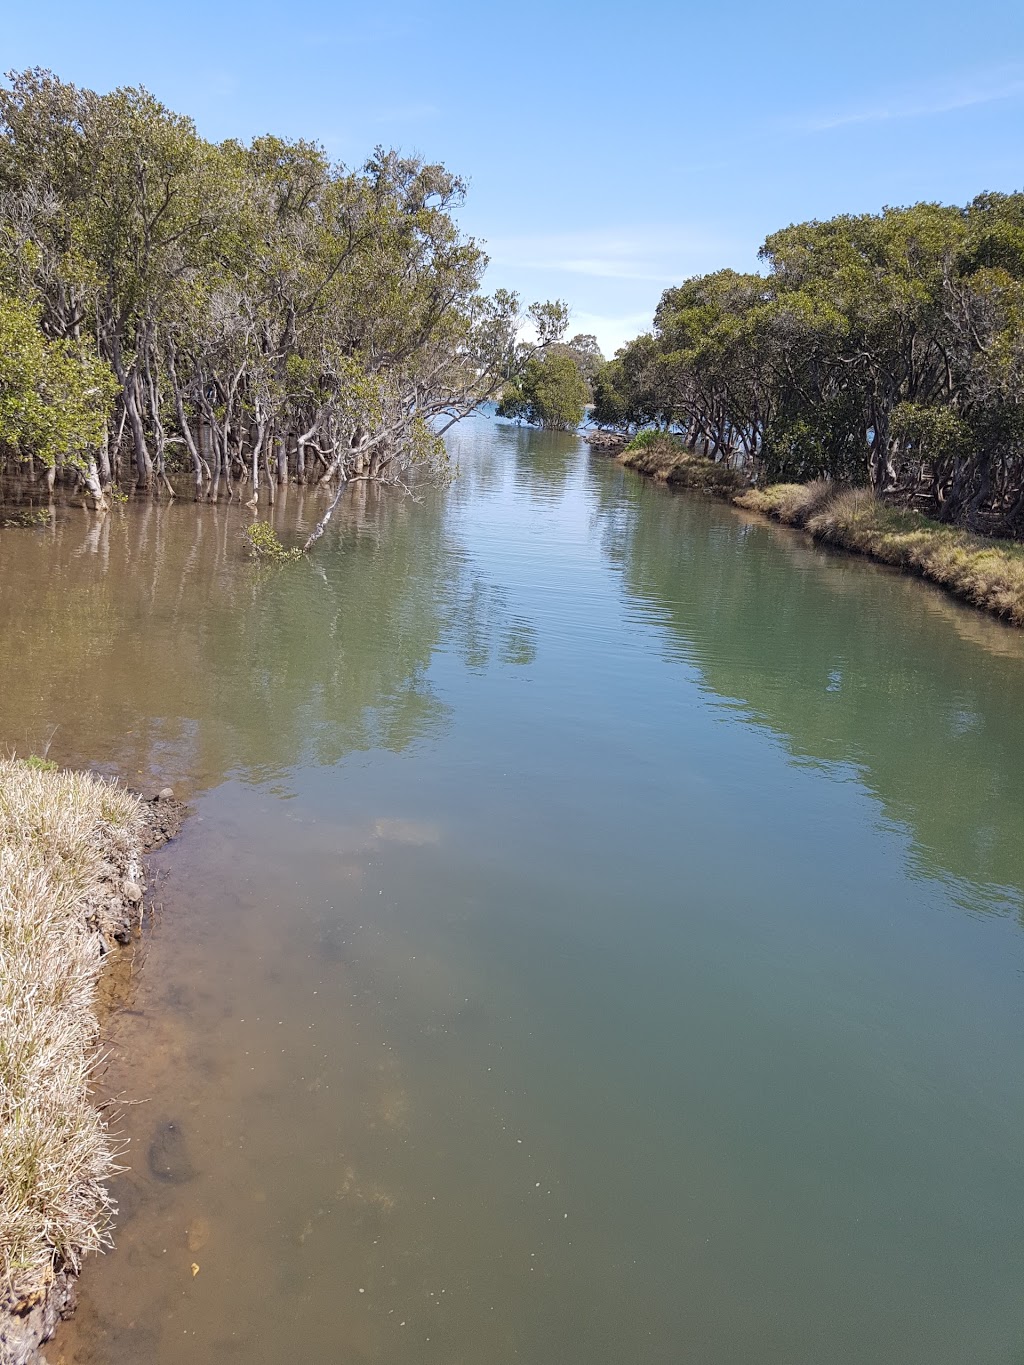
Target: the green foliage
pixel 665 456
pixel 879 349
pixel 550 393
pixel 41 765
pixel 283 304
pixel 264 544
pixel 645 440
pixel 28 516
pixel 584 350
pixel 54 396
pixel 611 402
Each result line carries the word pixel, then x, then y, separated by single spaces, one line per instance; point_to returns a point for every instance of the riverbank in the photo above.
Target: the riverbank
pixel 664 458
pixel 683 469
pixel 71 888
pixel 987 573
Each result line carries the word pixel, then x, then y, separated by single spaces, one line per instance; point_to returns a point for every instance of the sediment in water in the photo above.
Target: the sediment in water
pixel 72 883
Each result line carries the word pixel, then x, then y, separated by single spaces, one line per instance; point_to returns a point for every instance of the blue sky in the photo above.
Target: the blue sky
pixel 611 149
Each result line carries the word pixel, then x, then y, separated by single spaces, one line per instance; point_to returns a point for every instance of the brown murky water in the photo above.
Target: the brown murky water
pixel 597 938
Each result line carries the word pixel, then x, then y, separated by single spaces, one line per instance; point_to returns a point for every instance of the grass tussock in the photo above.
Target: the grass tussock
pixel 665 457
pixel 56 830
pixel 987 573
pixel 793 503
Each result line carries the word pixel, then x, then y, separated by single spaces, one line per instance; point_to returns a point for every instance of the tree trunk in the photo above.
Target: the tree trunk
pixel 104 467
pixel 257 448
pixel 92 482
pixel 186 431
pixel 126 378
pixel 321 525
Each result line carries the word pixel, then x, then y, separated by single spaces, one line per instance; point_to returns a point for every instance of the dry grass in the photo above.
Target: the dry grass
pixel 987 573
pixel 665 458
pixel 56 829
pixel 793 503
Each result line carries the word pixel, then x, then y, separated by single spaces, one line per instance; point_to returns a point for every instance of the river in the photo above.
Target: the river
pixel 597 938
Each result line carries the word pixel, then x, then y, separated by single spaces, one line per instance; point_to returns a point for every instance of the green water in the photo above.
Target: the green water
pixel 598 939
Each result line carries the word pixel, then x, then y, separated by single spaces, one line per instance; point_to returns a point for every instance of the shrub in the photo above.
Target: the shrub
pixel 41 765
pixel 28 516
pixel 694 471
pixel 664 456
pixel 653 437
pixel 265 544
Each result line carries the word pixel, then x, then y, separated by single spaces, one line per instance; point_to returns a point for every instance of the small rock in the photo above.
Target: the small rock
pixel 165 794
pixel 132 892
pixel 169 1156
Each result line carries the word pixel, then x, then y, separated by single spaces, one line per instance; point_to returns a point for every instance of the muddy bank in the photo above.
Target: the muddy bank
pixel 72 890
pixel 115 909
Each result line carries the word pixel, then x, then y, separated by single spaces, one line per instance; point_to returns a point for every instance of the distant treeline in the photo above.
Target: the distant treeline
pixel 240 312
pixel 879 349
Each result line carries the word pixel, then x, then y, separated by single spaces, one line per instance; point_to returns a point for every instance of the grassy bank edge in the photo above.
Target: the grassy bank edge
pixel 987 573
pixel 70 865
pixel 666 459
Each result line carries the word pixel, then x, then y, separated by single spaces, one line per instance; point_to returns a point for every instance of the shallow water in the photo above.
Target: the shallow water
pixel 598 938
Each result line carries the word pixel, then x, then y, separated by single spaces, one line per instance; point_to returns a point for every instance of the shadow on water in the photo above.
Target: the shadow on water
pixel 847 663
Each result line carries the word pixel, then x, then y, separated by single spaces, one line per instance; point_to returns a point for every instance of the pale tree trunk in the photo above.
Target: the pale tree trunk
pixel 92 482
pixel 198 463
pixel 332 469
pixel 210 448
pixel 161 435
pixel 321 525
pixel 302 440
pixel 143 462
pixel 257 449
pixel 268 456
pixel 104 469
pixel 116 470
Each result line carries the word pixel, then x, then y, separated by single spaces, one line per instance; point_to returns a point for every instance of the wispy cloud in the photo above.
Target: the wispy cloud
pixel 966 92
pixel 611 330
pixel 655 255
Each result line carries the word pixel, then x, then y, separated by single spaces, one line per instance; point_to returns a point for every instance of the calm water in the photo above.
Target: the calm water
pixel 598 939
